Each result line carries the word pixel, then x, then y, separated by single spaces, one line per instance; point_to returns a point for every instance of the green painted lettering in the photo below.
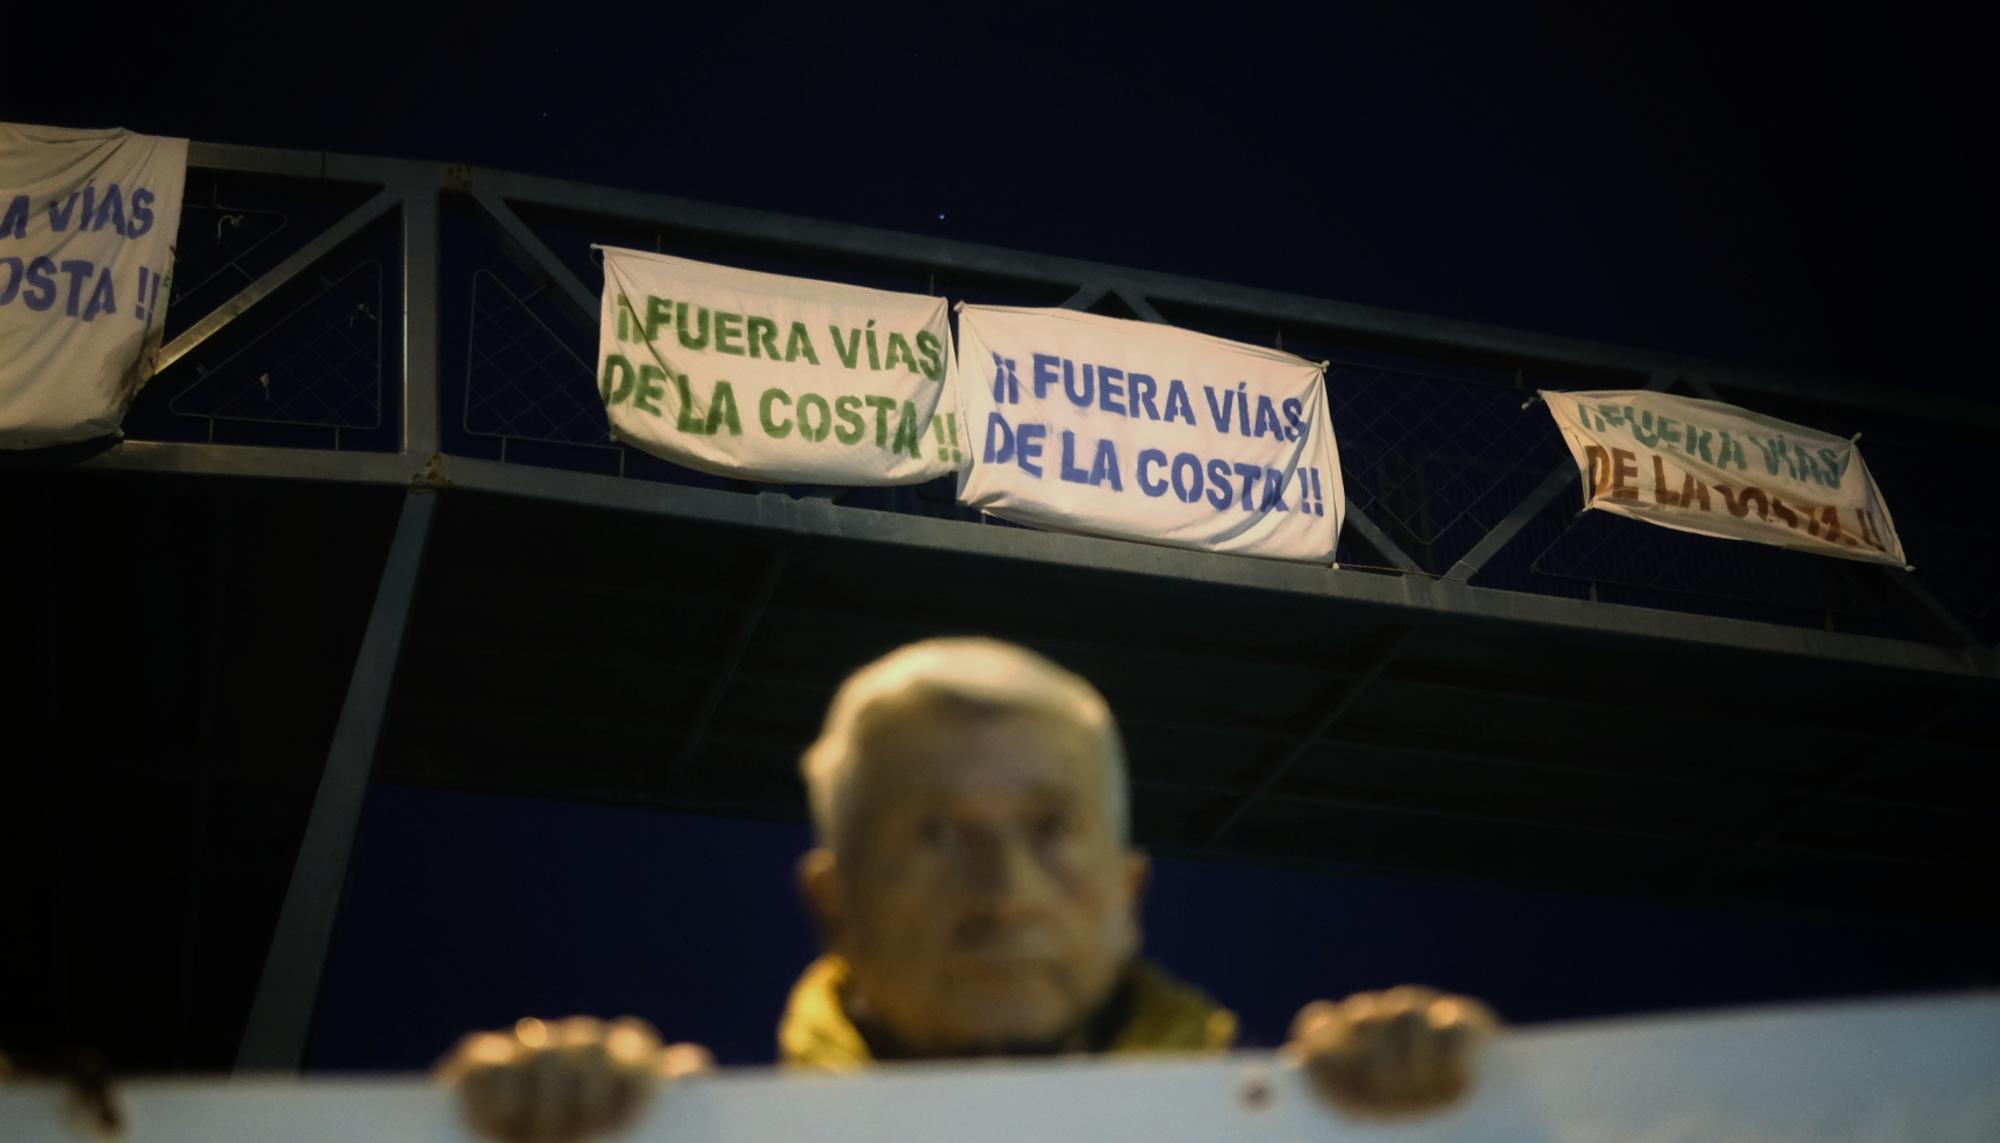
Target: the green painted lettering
pixel 1773 452
pixel 1697 444
pixel 814 419
pixel 689 420
pixel 615 364
pixel 908 429
pixel 722 410
pixel 851 427
pixel 882 406
pixel 798 344
pixel 648 389
pixel 932 354
pixel 659 312
pixel 897 345
pixel 1729 451
pixel 1808 468
pixel 850 350
pixel 772 428
pixel 696 338
pixel 728 331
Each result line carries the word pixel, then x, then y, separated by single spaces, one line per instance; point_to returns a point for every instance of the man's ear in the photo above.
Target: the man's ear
pixel 819 884
pixel 1138 875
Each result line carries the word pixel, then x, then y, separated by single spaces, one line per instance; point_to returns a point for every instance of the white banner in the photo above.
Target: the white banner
pixel 87 226
pixel 1859 1073
pixel 1143 431
pixel 766 377
pixel 1716 470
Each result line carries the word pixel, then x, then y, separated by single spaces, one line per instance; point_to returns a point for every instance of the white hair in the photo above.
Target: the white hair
pixel 968 672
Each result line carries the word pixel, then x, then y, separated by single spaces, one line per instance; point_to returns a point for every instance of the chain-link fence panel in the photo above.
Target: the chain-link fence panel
pixel 319 364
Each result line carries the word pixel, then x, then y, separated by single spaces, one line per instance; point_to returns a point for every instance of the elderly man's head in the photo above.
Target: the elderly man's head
pixel 970 802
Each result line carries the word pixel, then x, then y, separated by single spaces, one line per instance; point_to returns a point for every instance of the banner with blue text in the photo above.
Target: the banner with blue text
pixel 1142 431
pixel 767 377
pixel 87 226
pixel 1717 470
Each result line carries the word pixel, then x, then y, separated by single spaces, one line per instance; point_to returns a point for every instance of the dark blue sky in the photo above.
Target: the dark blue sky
pixel 449 923
pixel 1797 191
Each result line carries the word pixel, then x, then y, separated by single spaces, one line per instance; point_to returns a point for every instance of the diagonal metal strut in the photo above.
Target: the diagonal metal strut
pixel 1384 651
pixel 1530 506
pixel 328 240
pixel 746 631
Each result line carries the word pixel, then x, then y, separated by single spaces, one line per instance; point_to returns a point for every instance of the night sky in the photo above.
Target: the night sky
pixel 1804 194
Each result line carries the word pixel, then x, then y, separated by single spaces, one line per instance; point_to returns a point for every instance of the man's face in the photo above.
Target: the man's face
pixel 982 897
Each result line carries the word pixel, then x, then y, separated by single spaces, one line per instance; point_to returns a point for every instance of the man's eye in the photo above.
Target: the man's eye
pixel 934 832
pixel 1052 827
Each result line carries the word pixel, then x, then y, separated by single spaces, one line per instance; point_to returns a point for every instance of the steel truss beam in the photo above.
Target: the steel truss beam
pixel 419 197
pixel 1859 765
pixel 539 255
pixel 1085 298
pixel 253 461
pixel 1405 598
pixel 1387 646
pixel 739 643
pixel 328 240
pixel 281 1014
pixel 1530 506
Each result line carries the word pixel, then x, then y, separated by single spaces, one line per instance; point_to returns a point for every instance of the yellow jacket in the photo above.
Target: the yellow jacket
pixel 1166 1016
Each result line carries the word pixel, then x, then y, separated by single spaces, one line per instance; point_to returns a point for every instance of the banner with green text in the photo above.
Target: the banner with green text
pixel 1716 470
pixel 1148 432
pixel 766 377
